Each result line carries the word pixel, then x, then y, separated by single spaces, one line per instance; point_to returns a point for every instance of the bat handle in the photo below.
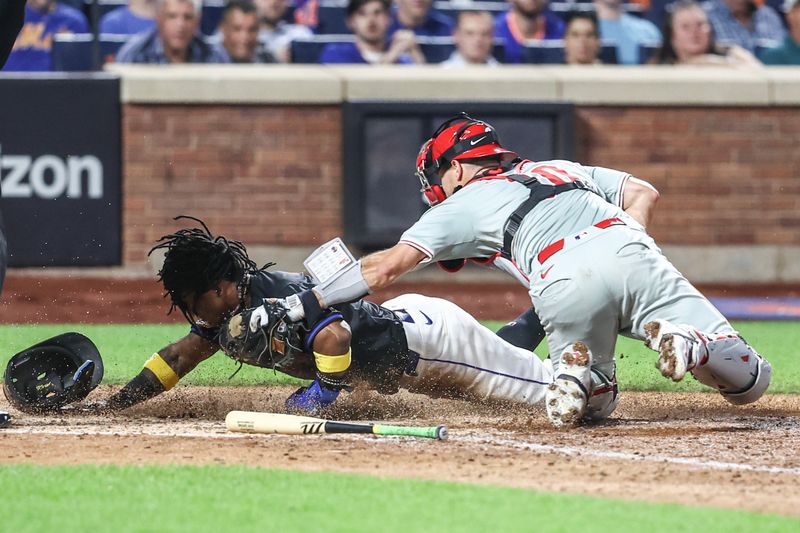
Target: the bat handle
pixel 435 432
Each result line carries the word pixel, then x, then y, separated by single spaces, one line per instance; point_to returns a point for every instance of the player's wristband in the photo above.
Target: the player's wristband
pixel 347 286
pixel 312 311
pixel 332 364
pixel 165 374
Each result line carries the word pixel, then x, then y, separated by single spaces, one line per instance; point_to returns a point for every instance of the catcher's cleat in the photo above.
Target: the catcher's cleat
pixel 567 396
pixel 678 347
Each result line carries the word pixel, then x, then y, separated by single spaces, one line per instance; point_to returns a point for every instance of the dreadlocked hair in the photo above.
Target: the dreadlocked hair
pixel 196 261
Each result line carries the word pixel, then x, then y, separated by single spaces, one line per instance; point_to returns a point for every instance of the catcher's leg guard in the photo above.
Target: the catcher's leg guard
pixel 567 397
pixel 732 367
pixel 724 361
pixel 604 397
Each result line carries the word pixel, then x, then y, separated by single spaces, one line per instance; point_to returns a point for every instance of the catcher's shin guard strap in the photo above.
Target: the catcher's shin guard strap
pixel 168 377
pixel 331 364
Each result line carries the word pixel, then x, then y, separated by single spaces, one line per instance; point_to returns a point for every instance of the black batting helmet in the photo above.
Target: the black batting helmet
pixel 53 373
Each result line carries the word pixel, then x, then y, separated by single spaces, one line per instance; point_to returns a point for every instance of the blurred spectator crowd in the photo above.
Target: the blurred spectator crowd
pixel 71 35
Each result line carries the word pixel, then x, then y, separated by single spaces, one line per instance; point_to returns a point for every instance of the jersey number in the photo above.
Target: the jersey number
pixel 554 175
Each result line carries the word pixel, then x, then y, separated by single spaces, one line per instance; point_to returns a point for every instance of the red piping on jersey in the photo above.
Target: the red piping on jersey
pixel 557 246
pixel 418 246
pixel 484 260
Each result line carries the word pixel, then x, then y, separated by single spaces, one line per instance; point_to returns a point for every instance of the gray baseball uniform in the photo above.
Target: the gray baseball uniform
pixel 593 270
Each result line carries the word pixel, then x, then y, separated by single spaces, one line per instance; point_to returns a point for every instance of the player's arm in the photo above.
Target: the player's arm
pixel 639 200
pixel 383 268
pixel 635 196
pixel 332 356
pixel 163 370
pixel 373 272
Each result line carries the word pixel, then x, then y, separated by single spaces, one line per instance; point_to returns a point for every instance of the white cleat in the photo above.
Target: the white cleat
pixel 567 396
pixel 679 349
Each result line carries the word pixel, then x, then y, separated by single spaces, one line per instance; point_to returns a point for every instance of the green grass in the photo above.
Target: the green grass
pixel 779 342
pixel 215 498
pixel 126 347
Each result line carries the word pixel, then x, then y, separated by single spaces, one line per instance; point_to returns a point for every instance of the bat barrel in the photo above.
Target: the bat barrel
pixel 274 423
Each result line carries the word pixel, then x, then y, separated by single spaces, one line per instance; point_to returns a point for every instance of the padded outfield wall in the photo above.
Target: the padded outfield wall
pixel 257 153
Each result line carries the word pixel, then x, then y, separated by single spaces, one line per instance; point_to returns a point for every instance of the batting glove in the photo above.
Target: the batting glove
pixel 267 315
pixel 311 399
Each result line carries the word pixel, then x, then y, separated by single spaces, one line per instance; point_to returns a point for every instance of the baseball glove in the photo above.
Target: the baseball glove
pixel 275 345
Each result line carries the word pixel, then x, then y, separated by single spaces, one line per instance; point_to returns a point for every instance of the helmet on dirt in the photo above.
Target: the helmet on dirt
pixel 53 373
pixel 459 137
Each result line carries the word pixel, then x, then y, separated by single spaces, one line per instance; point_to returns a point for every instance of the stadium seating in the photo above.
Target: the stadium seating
pixel 307 51
pixel 435 49
pixel 647 51
pixel 209 20
pixel 74 52
pixel 552 52
pixel 332 16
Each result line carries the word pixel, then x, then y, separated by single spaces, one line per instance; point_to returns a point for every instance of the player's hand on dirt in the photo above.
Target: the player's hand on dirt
pixel 268 314
pixel 312 399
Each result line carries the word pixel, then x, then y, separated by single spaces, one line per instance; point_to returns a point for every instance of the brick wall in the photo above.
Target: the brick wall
pixel 272 174
pixel 260 174
pixel 726 175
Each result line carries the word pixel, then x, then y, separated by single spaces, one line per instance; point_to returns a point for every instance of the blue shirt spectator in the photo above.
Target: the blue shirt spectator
pixel 136 17
pixel 627 32
pixel 743 23
pixel 43 19
pixel 526 20
pixel 417 15
pixel 788 52
pixel 369 22
pixel 341 53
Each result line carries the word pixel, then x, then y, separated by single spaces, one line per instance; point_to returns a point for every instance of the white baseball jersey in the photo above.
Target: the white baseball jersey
pixel 593 271
pixel 470 223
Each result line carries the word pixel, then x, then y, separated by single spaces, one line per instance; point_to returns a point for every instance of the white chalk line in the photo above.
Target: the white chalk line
pixel 627 456
pixel 467 439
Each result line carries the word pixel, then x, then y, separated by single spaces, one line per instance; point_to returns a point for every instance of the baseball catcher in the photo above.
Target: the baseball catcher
pixel 415 342
pixel 578 235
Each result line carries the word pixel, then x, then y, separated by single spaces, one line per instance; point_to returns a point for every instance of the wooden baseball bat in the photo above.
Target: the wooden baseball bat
pixel 275 423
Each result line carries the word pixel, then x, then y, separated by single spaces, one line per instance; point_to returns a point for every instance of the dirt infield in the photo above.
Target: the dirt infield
pixel 686 448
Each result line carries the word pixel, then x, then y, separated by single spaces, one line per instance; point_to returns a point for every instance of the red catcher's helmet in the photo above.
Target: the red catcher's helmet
pixel 459 137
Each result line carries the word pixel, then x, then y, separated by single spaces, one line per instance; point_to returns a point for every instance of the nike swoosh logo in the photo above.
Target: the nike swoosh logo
pixel 427 318
pixel 473 143
pixel 546 272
